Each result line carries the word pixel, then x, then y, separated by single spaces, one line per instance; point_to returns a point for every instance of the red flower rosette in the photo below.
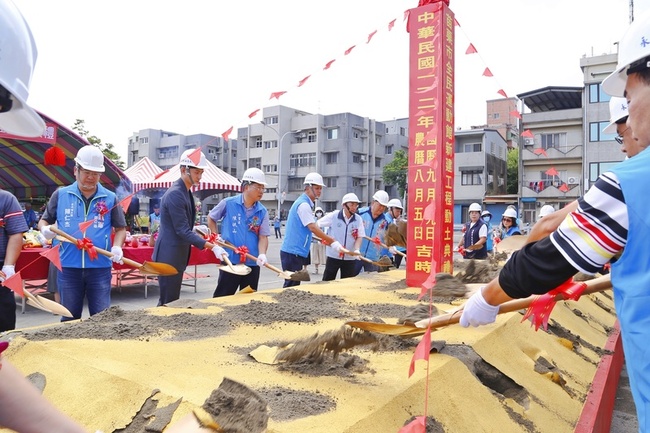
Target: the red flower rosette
pixel 242 251
pixel 87 244
pixel 540 309
pixel 377 241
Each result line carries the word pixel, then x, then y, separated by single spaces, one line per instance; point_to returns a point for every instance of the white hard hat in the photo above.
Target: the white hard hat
pixel 617 112
pixel 319 209
pixel 381 197
pixel 510 213
pixel 254 174
pixel 486 212
pixel 475 207
pixel 350 198
pixel 90 158
pixel 187 161
pixel 633 50
pixel 314 178
pixel 17 60
pixel 546 210
pixel 394 202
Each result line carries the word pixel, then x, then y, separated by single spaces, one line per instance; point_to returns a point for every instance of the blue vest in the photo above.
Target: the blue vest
pixel 471 236
pixel 297 237
pixel 631 281
pixel 236 228
pixel 490 241
pixel 374 228
pixel 70 212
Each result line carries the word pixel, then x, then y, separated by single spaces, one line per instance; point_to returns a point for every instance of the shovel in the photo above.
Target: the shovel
pixel 383 261
pixel 599 284
pixel 301 275
pixel 240 269
pixel 149 268
pixel 384 245
pixel 510 244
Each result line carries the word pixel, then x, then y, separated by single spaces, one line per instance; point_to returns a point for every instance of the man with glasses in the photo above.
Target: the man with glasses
pixel 347 228
pixel 85 274
pixel 375 224
pixel 244 222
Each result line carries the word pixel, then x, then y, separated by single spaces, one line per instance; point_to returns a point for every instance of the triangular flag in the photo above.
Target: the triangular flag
pixel 416 426
pixel 277 95
pixel 516 114
pixel 254 113
pixel 391 25
pixel 563 187
pixel 328 64
pixel 540 151
pixel 84 225
pixel 487 73
pixel 15 284
pixel 195 156
pixel 421 351
pixel 527 134
pixel 471 49
pixel 226 133
pixel 349 50
pixel 52 254
pixel 551 171
pixel 406 15
pixel 126 202
pixel 502 93
pixel 303 81
pixel 370 36
pixel 456 23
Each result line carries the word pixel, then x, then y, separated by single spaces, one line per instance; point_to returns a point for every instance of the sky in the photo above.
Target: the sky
pixel 200 66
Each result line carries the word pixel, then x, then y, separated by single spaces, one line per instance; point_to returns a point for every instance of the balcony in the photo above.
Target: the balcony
pixel 532 153
pixel 533 189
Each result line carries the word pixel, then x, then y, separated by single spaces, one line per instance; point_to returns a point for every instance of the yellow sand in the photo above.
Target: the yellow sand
pixel 102 384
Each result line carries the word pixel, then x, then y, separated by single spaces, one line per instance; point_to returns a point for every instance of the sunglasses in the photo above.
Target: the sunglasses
pixel 619 137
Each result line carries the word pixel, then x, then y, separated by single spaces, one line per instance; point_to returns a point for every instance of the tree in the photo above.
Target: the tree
pixel 106 148
pixel 512 186
pixel 395 171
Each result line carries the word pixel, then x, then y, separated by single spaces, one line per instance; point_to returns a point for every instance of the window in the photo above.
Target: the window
pixel 388 150
pixel 557 141
pixel 596 132
pixel 331 182
pixel 311 137
pixel 333 134
pixel 296 184
pixel 270 168
pixel 356 158
pixel 355 134
pixel 271 144
pixel 273 120
pixel 303 160
pixel 258 142
pixel 332 158
pixel 496 115
pixel 144 140
pixel 402 131
pixel 234 154
pixel 377 185
pixel 378 162
pixel 256 162
pixel 598 168
pixel 596 94
pixel 471 178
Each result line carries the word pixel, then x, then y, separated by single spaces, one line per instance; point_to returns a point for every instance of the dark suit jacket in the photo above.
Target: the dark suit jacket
pixel 175 235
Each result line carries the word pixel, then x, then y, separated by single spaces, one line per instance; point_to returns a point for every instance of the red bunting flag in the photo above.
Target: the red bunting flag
pixel 551 171
pixel 370 36
pixel 328 64
pixel 429 283
pixel 277 95
pixel 502 93
pixel 487 73
pixel 527 134
pixel 52 254
pixel 516 114
pixel 195 156
pixel 456 23
pixel 471 49
pixel 15 284
pixel 391 25
pixel 126 202
pixel 254 113
pixel 421 351
pixel 84 225
pixel 349 50
pixel 303 81
pixel 540 151
pixel 418 425
pixel 564 187
pixel 226 133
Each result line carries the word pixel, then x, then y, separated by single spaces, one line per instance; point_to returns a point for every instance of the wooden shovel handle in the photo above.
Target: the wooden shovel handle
pixel 99 250
pixel 384 245
pixel 596 285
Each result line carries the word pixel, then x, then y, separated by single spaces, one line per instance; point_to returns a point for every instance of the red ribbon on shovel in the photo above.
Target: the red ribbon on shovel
pixel 87 244
pixel 540 309
pixel 242 251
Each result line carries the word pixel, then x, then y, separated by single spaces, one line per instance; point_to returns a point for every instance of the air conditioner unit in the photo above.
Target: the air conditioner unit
pixel 363 158
pixel 301 135
pixel 572 180
pixel 529 141
pixel 363 182
pixel 215 157
pixel 161 155
pixel 292 172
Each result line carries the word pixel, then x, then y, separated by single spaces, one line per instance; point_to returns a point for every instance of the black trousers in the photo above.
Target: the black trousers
pixel 7 309
pixel 332 266
pixel 228 283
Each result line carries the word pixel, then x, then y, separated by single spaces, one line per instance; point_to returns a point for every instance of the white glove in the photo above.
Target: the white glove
pixel 357 254
pixel 47 233
pixel 8 270
pixel 392 250
pixel 118 254
pixel 261 260
pixel 336 245
pixel 218 252
pixel 477 311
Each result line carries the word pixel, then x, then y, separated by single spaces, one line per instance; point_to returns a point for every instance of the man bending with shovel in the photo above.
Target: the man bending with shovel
pixel 244 225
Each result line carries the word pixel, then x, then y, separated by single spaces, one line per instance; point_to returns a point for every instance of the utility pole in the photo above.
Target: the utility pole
pixel 631 11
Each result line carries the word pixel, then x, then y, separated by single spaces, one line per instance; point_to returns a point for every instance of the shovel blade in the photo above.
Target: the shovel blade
pixel 236 269
pixel 157 268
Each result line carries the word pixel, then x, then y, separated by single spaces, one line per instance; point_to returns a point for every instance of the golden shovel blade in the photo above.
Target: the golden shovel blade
pixel 236 269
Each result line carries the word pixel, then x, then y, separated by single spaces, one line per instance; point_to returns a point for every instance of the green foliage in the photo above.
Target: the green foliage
pixel 395 172
pixel 106 148
pixel 512 186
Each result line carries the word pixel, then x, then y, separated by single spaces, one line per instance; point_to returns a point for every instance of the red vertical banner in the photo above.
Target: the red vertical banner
pixel 431 143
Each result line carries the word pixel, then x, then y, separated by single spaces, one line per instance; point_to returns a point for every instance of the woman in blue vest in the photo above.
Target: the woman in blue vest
pixel 472 244
pixel 509 224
